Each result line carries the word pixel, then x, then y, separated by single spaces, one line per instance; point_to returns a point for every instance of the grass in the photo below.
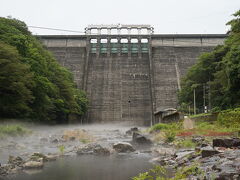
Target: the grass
pixel 61 149
pixel 209 129
pixel 163 127
pixel 13 130
pixel 185 143
pixel 199 115
pixel 170 132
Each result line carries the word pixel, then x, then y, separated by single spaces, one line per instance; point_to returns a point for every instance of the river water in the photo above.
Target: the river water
pixel 72 167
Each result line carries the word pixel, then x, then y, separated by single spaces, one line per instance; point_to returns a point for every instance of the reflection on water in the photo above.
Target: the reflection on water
pixel 90 167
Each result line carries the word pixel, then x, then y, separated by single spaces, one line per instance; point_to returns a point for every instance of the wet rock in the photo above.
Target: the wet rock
pixel 102 151
pixel 141 139
pixel 184 153
pixel 33 165
pixel 96 149
pixel 52 157
pixel 228 143
pixel 88 149
pixel 123 147
pixel 130 131
pixel 54 141
pixel 182 161
pixel 198 139
pixel 15 161
pixel 39 156
pixel 204 145
pixel 228 176
pixel 209 152
pixel 164 151
pixel 163 161
pixel 72 138
pixel 3 171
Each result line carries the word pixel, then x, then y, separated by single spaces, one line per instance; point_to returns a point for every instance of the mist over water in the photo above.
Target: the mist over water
pixel 90 167
pixel 73 167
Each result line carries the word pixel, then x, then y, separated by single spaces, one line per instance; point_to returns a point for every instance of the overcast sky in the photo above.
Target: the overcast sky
pixel 166 16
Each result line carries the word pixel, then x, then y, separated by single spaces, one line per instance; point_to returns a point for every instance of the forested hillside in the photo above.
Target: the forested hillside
pixel 216 76
pixel 32 84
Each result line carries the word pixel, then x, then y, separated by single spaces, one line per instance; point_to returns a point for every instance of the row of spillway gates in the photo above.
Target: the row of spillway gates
pixel 119 43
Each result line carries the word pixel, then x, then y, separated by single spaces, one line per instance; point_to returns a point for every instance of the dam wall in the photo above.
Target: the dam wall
pixel 129 77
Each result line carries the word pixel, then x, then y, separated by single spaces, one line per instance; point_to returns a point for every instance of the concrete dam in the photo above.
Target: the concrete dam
pixel 128 72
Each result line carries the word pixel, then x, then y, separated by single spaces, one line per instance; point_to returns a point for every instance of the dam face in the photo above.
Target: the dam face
pixel 129 77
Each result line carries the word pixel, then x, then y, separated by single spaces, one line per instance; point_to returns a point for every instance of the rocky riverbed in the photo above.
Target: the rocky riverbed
pixel 219 159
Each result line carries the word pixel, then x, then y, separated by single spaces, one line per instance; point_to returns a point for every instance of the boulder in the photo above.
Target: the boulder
pixel 209 152
pixel 38 156
pixel 99 150
pixel 33 164
pixel 15 161
pixel 164 151
pixel 123 147
pixel 51 157
pixel 184 153
pixel 3 171
pixel 227 143
pixel 88 149
pixel 96 149
pixel 141 139
pixel 54 141
pixel 130 131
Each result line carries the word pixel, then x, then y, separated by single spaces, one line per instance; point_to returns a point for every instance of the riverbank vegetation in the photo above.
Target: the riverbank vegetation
pixel 215 77
pixel 32 84
pixel 161 173
pixel 13 130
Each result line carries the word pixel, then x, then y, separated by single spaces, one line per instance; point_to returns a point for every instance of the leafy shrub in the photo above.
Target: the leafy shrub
pixel 157 173
pixel 160 173
pixel 229 118
pixel 169 136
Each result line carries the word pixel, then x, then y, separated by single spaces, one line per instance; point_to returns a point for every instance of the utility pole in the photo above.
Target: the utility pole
pixel 204 102
pixel 194 101
pixel 209 96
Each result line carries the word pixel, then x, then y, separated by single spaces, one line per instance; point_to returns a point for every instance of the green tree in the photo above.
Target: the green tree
pixel 16 82
pixel 53 92
pixel 218 70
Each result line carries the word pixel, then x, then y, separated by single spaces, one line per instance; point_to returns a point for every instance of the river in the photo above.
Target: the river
pixel 121 166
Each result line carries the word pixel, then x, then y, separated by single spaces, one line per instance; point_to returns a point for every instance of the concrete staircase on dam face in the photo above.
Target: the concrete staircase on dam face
pixel 130 87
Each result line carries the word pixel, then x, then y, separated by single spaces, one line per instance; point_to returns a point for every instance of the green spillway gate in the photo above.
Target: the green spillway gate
pixel 103 48
pixel 119 47
pixel 114 47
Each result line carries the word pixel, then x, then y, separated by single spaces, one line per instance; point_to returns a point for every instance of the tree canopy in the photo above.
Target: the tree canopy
pixel 219 72
pixel 32 83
